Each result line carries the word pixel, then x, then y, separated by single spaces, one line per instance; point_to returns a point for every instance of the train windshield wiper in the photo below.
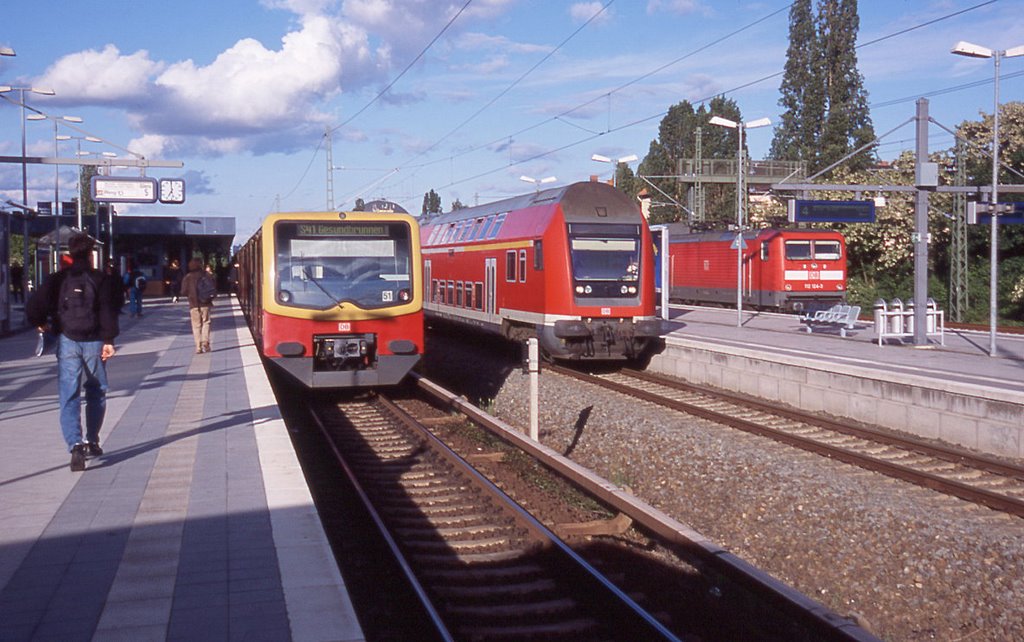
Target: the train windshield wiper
pixel 309 277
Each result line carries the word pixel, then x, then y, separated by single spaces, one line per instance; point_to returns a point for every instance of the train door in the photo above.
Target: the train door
pixel 490 281
pixel 427 285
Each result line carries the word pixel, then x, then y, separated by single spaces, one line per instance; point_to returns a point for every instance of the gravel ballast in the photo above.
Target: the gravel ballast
pixel 909 563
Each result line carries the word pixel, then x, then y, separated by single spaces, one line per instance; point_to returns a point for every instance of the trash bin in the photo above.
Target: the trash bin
pixel 897 317
pixel 880 317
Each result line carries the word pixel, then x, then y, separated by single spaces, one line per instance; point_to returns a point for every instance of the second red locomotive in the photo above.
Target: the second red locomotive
pixel 572 266
pixel 788 270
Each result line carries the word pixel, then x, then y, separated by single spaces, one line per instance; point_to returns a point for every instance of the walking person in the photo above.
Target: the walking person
pixel 172 279
pixel 77 304
pixel 135 283
pixel 17 283
pixel 199 288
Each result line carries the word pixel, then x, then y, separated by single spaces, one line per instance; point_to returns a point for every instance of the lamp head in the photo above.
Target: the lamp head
pixel 971 50
pixel 723 122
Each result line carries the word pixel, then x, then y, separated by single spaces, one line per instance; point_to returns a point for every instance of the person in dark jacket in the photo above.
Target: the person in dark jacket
pixel 198 310
pixel 79 352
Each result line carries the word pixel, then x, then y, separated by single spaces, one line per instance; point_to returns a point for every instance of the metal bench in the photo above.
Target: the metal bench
pixel 840 315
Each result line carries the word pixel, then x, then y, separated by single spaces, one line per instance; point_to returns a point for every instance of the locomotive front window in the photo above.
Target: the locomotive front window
pixel 826 250
pixel 603 259
pixel 798 250
pixel 321 264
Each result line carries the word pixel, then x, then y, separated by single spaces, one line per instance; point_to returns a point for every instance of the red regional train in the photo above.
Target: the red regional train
pixel 572 266
pixel 789 270
pixel 334 298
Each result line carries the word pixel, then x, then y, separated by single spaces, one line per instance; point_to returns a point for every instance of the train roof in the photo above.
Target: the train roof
pixel 728 235
pixel 580 202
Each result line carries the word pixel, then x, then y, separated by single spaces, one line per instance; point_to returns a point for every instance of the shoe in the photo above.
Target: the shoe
pixel 93 449
pixel 199 351
pixel 206 347
pixel 78 458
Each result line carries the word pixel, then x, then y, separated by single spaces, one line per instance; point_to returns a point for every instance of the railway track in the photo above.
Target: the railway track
pixel 969 476
pixel 483 568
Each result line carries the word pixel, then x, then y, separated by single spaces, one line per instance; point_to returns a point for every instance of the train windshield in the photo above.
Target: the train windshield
pixel 605 259
pixel 818 250
pixel 323 264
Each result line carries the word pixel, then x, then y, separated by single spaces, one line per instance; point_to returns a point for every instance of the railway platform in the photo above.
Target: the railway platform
pixel 953 391
pixel 195 524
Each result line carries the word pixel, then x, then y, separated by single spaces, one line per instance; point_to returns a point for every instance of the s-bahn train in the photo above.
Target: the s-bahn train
pixel 572 266
pixel 334 298
pixel 788 270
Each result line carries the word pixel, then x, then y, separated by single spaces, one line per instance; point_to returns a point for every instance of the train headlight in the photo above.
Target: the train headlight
pixel 588 290
pixel 839 286
pixel 632 289
pixel 789 286
pixel 284 296
pixel 404 295
pixel 624 289
pixel 579 289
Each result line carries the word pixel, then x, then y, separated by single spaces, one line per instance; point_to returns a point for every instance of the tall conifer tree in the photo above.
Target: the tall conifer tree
pixel 803 90
pixel 847 122
pixel 826 112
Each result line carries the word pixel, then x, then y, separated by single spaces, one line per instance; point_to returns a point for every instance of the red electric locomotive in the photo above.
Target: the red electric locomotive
pixel 788 270
pixel 334 298
pixel 572 266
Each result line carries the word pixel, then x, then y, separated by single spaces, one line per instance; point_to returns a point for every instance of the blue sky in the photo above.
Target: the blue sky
pixel 242 91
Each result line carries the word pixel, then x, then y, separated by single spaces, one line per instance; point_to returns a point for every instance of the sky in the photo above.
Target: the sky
pixel 460 97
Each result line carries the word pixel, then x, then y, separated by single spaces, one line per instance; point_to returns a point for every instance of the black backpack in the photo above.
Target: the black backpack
pixel 78 306
pixel 206 289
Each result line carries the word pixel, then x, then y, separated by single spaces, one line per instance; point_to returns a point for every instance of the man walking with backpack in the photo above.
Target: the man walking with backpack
pixel 200 288
pixel 78 304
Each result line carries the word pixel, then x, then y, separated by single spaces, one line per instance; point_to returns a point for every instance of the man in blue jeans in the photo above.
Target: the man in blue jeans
pixel 78 304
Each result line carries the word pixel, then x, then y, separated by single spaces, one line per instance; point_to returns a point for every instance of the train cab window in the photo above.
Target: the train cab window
pixel 510 266
pixel 320 265
pixel 522 266
pixel 798 250
pixel 478 296
pixel 827 250
pixel 458 294
pixel 451 293
pixel 605 259
pixel 468 287
pixel 764 250
pixel 435 295
pixel 496 226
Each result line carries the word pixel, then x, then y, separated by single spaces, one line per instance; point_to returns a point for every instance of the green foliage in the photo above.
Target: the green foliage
pixel 431 204
pixel 825 104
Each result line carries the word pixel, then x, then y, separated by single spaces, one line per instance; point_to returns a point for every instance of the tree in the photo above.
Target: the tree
pixel 826 109
pixel 677 141
pixel 803 91
pixel 847 122
pixel 458 205
pixel 431 204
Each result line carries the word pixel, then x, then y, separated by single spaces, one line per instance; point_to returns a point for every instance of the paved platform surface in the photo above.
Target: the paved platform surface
pixel 964 358
pixel 196 523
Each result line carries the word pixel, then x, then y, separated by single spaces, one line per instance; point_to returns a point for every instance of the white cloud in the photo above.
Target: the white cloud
pixel 583 11
pixel 100 77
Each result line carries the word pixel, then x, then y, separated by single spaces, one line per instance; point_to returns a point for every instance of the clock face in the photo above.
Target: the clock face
pixel 172 190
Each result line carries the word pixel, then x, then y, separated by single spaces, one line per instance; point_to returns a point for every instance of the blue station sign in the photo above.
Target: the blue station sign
pixel 801 211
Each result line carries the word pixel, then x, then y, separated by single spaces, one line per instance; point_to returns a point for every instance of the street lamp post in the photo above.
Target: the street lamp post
pixel 56 181
pixel 615 172
pixel 741 215
pixel 78 152
pixel 24 171
pixel 970 50
pixel 538 182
